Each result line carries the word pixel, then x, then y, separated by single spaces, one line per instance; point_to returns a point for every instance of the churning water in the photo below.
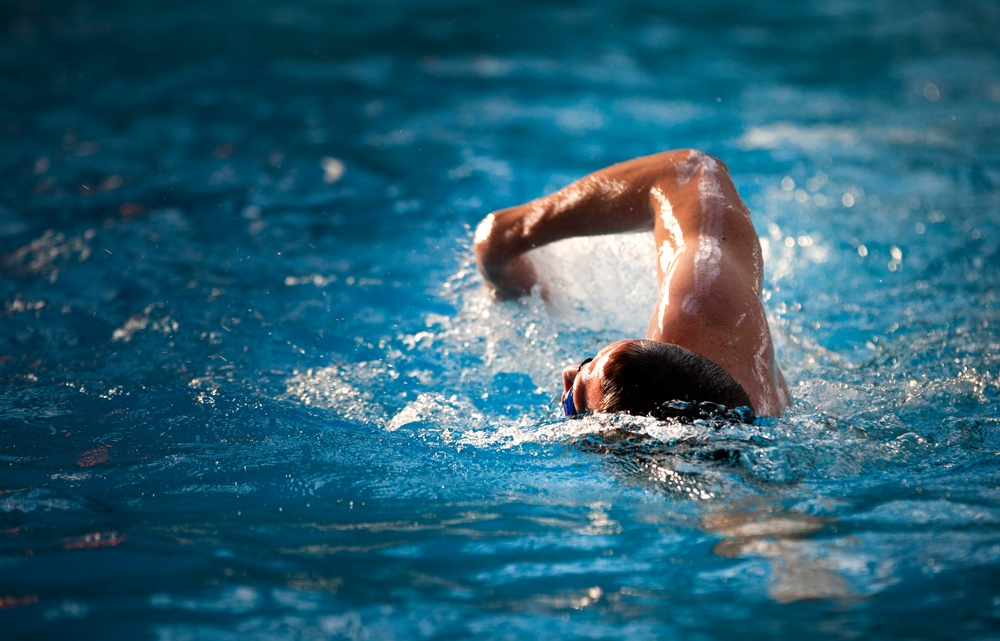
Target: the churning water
pixel 251 386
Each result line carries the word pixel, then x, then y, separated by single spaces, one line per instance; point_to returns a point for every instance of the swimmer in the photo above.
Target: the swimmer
pixel 708 339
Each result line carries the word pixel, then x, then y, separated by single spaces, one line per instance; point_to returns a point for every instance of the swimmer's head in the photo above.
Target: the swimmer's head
pixel 583 385
pixel 641 377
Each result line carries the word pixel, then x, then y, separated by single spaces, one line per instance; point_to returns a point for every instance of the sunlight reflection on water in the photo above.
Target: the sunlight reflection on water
pixel 253 386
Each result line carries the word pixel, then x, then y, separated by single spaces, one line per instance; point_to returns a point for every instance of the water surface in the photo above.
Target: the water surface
pixel 252 387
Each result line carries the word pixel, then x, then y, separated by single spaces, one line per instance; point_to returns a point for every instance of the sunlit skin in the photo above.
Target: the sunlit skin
pixel 587 393
pixel 708 263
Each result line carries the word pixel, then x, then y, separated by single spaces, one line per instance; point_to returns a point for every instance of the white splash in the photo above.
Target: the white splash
pixel 447 413
pixel 346 389
pixel 600 283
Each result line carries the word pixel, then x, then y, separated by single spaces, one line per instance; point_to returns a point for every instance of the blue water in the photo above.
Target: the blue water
pixel 251 386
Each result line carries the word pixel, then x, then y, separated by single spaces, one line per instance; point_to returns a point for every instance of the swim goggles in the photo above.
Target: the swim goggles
pixel 569 407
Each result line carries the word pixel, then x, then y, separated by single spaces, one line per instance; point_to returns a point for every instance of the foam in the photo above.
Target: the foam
pixel 503 363
pixel 502 355
pixel 348 390
pixel 602 284
pixel 447 412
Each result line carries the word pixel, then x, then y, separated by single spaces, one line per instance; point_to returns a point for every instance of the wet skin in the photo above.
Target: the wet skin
pixel 708 263
pixel 584 381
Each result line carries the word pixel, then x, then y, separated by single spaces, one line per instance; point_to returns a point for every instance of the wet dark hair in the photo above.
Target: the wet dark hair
pixel 649 378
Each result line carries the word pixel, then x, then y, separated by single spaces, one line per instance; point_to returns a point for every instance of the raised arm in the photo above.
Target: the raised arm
pixel 612 200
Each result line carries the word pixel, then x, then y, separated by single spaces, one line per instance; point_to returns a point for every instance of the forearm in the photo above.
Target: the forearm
pixel 499 246
pixel 610 201
pixel 600 203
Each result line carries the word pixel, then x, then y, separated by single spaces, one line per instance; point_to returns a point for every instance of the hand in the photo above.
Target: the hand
pixel 499 257
pixel 512 279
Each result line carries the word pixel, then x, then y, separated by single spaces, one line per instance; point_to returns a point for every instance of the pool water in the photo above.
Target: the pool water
pixel 252 387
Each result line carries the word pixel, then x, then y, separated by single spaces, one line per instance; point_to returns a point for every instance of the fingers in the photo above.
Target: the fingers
pixel 512 280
